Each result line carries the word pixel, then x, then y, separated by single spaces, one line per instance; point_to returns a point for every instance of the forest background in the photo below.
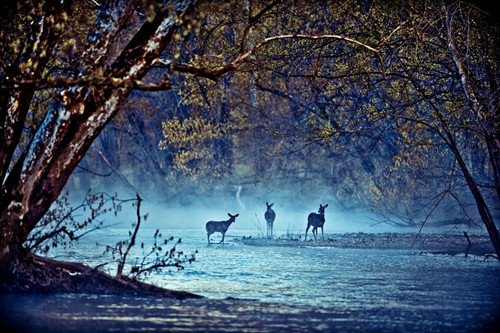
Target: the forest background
pixel 310 121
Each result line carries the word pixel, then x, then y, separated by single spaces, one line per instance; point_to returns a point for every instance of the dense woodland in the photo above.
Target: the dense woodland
pixel 392 106
pixel 312 120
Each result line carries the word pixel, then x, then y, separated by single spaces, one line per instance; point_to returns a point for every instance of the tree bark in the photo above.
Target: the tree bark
pixel 29 64
pixel 75 119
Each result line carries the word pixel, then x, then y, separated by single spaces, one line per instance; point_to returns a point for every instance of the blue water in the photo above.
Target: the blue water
pixel 304 275
pixel 451 293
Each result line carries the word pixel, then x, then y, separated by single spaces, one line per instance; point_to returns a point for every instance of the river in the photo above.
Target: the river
pixel 277 288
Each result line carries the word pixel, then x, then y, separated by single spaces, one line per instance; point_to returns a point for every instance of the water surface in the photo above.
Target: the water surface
pixel 301 287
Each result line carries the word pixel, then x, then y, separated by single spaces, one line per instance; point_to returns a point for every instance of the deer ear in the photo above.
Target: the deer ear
pixel 267 203
pixel 326 205
pixel 229 215
pixel 236 215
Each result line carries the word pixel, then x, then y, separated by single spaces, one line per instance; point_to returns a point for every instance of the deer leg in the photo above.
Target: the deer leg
pixel 223 234
pixel 315 232
pixel 322 234
pixel 208 237
pixel 306 231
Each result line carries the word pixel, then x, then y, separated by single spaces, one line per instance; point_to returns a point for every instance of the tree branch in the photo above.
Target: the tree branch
pixel 251 23
pixel 132 240
pixel 64 82
pixel 217 74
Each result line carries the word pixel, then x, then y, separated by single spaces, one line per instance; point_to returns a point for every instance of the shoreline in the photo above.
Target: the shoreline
pixel 437 243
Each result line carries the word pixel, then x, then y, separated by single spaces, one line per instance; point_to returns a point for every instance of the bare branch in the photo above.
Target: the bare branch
pixel 115 170
pixel 251 23
pixel 132 240
pixel 392 33
pixel 442 196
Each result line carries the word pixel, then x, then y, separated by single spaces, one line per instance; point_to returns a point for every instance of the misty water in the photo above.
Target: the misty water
pixel 383 289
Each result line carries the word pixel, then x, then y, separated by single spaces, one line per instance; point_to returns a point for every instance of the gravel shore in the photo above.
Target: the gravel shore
pixel 451 244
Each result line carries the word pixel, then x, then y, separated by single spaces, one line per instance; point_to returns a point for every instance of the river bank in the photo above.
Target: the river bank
pixel 431 243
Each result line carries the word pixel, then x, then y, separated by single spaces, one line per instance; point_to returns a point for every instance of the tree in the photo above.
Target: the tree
pixel 89 93
pixel 265 106
pixel 450 110
pixel 478 118
pixel 420 86
pixel 439 99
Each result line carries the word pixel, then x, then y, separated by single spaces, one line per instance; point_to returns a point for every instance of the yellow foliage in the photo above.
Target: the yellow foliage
pixel 191 144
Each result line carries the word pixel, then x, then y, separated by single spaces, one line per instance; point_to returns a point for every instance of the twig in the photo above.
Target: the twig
pixel 468 246
pixel 259 226
pixel 115 170
pixel 132 240
pixel 491 255
pixel 100 265
pixel 443 194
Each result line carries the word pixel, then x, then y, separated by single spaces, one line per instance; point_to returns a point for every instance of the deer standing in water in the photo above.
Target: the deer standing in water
pixel 316 221
pixel 215 226
pixel 270 215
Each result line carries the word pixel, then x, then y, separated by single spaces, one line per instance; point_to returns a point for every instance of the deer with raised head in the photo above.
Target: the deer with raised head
pixel 269 215
pixel 222 226
pixel 316 221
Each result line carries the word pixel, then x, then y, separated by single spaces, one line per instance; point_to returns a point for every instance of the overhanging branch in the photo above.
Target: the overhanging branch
pixel 217 74
pixel 85 82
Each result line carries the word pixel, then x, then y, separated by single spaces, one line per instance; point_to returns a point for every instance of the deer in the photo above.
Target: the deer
pixel 222 226
pixel 316 221
pixel 269 215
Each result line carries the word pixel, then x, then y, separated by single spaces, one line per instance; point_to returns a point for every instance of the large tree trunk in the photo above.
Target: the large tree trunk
pixel 482 207
pixel 75 119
